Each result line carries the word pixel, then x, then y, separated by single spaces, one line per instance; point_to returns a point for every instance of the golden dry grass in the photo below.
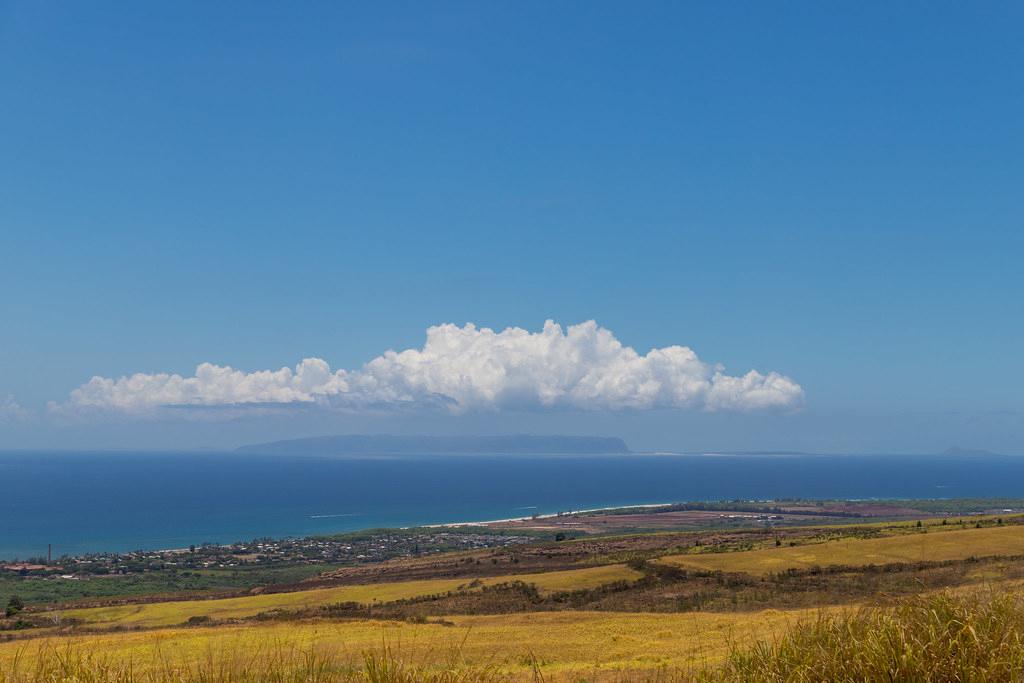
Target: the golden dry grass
pixel 938 637
pixel 575 579
pixel 178 612
pixel 952 544
pixel 560 642
pixel 941 637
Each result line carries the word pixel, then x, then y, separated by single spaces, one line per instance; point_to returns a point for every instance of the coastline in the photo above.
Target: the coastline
pixel 448 525
pixel 527 518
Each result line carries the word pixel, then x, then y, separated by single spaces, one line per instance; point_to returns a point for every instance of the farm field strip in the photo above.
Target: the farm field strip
pixel 936 545
pixel 559 641
pixel 178 612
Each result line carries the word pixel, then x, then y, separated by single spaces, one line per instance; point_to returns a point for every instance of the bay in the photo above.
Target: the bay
pixel 87 501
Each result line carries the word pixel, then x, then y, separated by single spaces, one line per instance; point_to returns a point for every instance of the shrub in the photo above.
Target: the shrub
pixel 14 605
pixel 938 638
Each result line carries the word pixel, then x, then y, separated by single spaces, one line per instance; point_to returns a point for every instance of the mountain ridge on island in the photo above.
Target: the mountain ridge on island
pixel 388 444
pixel 958 451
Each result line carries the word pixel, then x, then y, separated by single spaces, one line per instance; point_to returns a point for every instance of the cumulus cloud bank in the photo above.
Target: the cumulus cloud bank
pixel 583 367
pixel 11 410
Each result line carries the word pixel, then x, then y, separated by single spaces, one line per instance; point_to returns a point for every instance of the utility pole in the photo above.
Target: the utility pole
pixel 49 553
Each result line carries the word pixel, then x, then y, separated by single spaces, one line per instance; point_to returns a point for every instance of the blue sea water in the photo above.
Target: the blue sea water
pixel 83 502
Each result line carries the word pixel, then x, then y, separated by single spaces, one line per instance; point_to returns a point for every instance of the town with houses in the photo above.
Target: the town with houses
pixel 346 549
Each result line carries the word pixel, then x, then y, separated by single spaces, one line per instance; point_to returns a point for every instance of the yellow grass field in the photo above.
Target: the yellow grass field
pixel 951 544
pixel 178 612
pixel 561 642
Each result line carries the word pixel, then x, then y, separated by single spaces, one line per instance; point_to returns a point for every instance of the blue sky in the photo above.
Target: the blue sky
pixel 830 192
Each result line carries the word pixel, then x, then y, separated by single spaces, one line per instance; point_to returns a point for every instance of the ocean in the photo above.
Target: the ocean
pixel 86 502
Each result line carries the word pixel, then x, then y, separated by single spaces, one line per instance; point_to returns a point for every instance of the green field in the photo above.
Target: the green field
pixel 54 589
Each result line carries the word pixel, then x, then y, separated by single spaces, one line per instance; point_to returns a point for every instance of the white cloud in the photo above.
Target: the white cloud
pixel 11 410
pixel 464 369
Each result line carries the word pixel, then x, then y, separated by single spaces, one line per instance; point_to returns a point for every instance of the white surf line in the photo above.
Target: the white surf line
pixel 346 514
pixel 545 516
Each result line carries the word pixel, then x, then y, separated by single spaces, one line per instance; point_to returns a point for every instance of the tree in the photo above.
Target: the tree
pixel 14 605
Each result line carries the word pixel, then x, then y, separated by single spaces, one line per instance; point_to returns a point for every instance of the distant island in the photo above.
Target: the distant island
pixel 956 450
pixel 386 444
